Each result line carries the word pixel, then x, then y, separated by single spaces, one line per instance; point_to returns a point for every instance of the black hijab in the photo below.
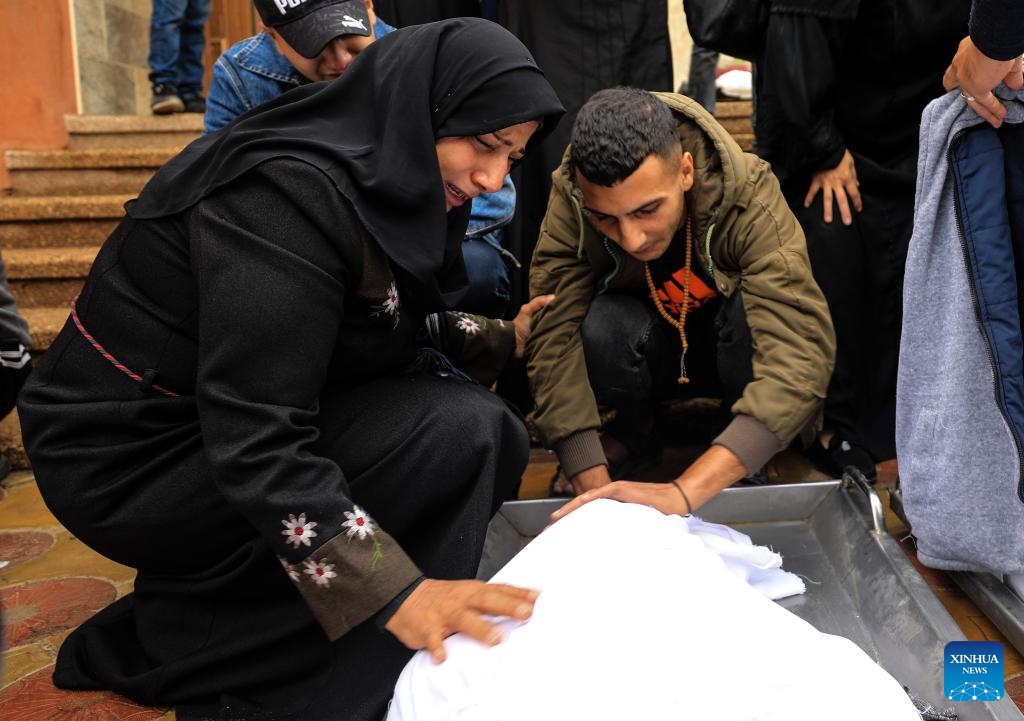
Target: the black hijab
pixel 373 132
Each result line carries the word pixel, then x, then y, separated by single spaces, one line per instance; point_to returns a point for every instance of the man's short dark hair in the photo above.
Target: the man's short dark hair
pixel 616 130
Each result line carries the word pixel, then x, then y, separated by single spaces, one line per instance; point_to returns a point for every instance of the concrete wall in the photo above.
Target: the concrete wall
pixel 113 44
pixel 38 89
pixel 113 49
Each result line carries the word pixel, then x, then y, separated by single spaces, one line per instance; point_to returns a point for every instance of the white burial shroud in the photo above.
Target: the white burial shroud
pixel 648 616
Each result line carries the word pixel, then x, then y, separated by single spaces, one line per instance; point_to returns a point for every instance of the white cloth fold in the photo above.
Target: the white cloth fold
pixel 648 616
pixel 758 566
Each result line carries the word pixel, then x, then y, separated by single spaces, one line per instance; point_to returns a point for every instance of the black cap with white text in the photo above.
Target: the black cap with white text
pixel 308 25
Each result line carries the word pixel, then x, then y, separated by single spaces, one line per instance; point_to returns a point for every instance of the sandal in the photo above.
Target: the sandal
pixel 555 489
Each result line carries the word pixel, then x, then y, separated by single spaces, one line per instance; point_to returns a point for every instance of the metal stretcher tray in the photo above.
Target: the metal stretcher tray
pixel 860 583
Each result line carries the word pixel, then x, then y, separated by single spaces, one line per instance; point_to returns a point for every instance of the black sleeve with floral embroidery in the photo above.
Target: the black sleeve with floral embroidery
pixel 477 345
pixel 271 271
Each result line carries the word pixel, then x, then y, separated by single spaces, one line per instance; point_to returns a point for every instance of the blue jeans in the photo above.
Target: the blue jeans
pixel 633 360
pixel 489 284
pixel 176 44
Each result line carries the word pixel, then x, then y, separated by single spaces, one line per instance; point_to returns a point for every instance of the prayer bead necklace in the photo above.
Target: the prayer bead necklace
pixel 680 323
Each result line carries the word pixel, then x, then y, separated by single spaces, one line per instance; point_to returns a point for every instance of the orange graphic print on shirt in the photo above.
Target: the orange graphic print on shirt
pixel 671 292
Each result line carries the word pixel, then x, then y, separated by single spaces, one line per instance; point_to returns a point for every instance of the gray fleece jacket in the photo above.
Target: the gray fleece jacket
pixel 960 389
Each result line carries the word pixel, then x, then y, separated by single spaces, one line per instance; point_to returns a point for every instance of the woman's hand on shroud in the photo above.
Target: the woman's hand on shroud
pixel 437 609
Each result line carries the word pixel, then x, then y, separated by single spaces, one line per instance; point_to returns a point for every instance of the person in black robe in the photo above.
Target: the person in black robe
pixel 840 88
pixel 260 403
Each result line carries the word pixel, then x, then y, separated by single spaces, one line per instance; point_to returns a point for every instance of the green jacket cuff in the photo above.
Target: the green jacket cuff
pixel 750 440
pixel 579 452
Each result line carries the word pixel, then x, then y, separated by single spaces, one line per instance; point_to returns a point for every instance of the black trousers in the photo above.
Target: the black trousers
pixel 214 626
pixel 633 359
pixel 860 268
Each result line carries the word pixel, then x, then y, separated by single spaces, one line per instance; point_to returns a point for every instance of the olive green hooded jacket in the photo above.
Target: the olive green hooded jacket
pixel 747 240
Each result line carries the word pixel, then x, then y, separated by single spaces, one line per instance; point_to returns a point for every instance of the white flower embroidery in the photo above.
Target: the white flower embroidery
pixel 320 571
pixel 358 524
pixel 297 530
pixel 290 570
pixel 469 325
pixel 391 304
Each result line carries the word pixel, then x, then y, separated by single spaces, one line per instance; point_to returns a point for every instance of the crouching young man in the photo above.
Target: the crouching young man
pixel 678 270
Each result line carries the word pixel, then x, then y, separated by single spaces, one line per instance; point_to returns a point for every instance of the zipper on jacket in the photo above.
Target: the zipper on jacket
pixel 579 223
pixel 707 250
pixel 606 281
pixel 976 306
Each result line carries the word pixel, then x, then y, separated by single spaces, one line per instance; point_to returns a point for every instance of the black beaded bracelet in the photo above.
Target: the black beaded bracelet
pixel 689 508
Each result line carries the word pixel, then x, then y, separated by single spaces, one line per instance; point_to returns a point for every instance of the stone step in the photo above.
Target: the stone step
pixel 83 172
pixel 47 277
pixel 59 221
pixel 61 207
pixel 44 323
pixel 734 116
pixel 41 263
pixel 736 126
pixel 744 140
pixel 54 233
pixel 132 131
pixel 31 293
pixel 733 109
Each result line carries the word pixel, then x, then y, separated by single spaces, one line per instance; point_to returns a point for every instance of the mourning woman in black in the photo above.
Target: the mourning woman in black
pixel 260 403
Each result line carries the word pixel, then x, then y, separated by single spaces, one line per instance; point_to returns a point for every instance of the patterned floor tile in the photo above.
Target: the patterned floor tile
pixel 24 508
pixel 1015 686
pixel 17 546
pixel 537 475
pixel 25 660
pixel 1014 664
pixel 36 699
pixel 39 609
pixel 888 472
pixel 68 557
